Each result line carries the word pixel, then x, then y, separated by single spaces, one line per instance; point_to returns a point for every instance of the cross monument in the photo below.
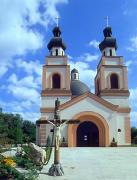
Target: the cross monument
pixel 58 124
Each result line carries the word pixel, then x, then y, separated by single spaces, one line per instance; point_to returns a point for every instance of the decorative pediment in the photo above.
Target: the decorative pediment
pixel 93 97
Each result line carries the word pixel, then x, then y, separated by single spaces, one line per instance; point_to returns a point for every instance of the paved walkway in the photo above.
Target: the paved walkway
pixel 96 164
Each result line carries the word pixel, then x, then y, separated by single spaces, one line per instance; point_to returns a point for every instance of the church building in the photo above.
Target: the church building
pixel 103 116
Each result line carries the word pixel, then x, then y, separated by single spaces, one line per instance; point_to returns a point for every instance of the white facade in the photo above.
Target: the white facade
pixel 119 100
pixel 114 119
pixel 50 101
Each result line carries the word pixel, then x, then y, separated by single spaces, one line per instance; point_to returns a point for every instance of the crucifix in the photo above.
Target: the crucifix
pixel 58 124
pixel 57 20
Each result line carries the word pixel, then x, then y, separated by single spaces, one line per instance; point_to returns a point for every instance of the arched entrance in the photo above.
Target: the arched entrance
pixel 97 119
pixel 87 135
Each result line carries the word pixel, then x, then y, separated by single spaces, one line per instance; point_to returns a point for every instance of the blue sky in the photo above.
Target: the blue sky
pixel 25 30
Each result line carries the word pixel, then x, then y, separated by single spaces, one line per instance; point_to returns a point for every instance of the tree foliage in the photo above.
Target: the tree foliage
pixel 134 135
pixel 13 129
pixel 29 130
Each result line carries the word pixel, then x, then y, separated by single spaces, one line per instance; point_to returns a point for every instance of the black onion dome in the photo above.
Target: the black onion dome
pixel 78 88
pixel 74 71
pixel 107 32
pixel 108 41
pixel 56 41
pixel 56 31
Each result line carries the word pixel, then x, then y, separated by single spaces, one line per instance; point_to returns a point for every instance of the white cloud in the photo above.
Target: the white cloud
pixel 82 64
pixel 3 70
pixel 10 106
pixel 18 34
pixel 69 57
pixel 133 45
pixel 134 118
pixel 129 63
pixel 28 81
pixel 15 35
pixel 51 11
pixel 133 94
pixel 129 9
pixel 24 93
pixel 133 97
pixel 32 116
pixel 133 102
pixel 129 12
pixel 86 74
pixel 30 67
pixel 88 57
pixel 94 43
pixel 26 88
pixel 27 109
pixel 79 65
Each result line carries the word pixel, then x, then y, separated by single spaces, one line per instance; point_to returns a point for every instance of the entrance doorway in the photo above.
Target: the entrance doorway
pixel 87 135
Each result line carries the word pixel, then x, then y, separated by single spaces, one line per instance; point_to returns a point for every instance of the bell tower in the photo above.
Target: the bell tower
pixel 56 72
pixel 111 81
pixel 55 82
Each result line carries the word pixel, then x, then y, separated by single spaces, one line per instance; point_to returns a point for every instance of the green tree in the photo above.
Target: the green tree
pixel 134 135
pixel 3 130
pixel 15 127
pixel 29 131
pixel 14 130
pixel 11 127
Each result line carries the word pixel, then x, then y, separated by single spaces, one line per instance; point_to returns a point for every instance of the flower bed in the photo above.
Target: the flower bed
pixel 23 166
pixel 9 168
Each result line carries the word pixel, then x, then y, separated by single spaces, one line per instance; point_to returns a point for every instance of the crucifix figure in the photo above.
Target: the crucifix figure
pixel 57 128
pixel 58 124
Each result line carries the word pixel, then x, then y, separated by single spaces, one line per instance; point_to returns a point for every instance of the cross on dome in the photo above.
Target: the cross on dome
pixel 57 20
pixel 107 21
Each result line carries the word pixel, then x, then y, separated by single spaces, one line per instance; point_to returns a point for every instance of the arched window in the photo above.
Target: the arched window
pixel 75 76
pixel 56 81
pixel 110 52
pixel 56 52
pixel 114 81
pixel 104 53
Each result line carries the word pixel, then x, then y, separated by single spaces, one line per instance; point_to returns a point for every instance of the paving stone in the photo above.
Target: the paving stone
pixel 96 164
